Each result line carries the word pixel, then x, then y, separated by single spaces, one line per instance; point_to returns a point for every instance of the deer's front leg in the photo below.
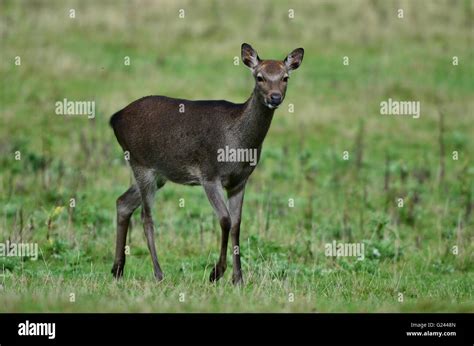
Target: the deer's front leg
pixel 216 197
pixel 236 199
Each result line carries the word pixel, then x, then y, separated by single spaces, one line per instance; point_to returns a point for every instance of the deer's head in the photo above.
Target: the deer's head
pixel 271 76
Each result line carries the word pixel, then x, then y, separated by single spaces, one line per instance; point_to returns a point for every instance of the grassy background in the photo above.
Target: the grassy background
pixel 408 250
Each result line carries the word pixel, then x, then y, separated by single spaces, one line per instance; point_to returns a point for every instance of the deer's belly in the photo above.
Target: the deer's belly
pixel 191 166
pixel 230 175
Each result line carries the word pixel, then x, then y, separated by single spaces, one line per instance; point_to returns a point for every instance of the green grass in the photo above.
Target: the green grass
pixel 408 250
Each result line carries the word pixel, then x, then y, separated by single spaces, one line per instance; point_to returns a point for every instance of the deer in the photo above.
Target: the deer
pixel 177 140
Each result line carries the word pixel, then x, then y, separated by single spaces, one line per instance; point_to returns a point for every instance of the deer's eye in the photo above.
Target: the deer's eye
pixel 260 79
pixel 285 79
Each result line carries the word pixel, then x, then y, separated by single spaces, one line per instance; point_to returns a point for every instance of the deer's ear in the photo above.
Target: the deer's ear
pixel 294 59
pixel 249 56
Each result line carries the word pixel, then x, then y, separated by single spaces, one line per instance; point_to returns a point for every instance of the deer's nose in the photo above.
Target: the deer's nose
pixel 275 97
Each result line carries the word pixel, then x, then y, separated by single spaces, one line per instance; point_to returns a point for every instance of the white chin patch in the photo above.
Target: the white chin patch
pixel 271 106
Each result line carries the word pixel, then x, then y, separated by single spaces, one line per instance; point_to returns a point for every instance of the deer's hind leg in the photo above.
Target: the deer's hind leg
pixel 126 205
pixel 148 181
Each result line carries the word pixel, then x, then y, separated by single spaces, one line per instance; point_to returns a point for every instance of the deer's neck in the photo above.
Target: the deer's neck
pixel 255 121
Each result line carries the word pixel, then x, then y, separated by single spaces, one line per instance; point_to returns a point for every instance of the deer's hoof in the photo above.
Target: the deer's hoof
pixel 237 279
pixel 216 273
pixel 117 270
pixel 159 277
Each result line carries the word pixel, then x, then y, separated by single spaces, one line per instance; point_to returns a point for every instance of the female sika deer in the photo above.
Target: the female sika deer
pixel 180 140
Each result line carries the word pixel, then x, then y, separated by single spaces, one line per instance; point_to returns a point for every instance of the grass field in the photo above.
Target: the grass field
pixel 411 263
